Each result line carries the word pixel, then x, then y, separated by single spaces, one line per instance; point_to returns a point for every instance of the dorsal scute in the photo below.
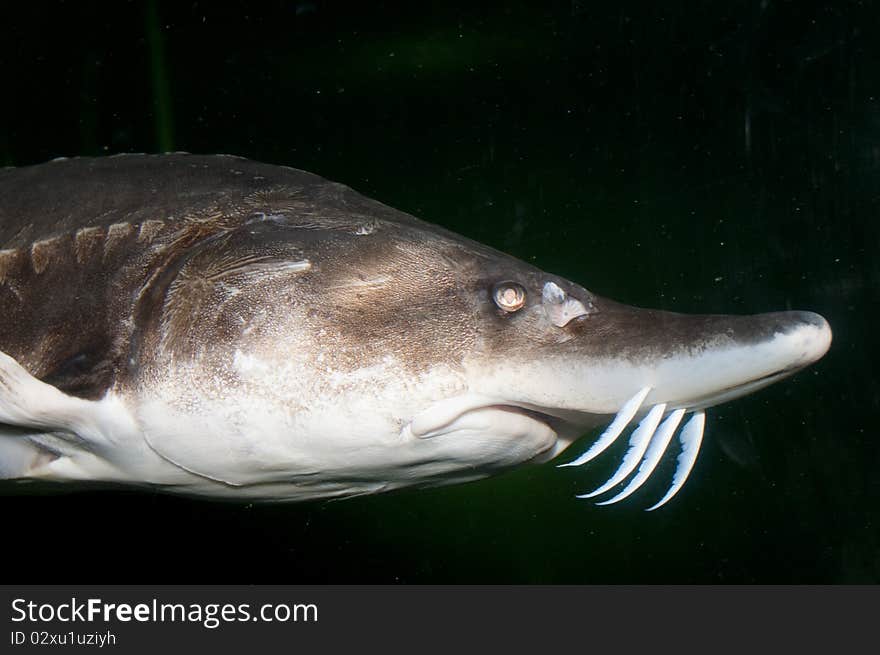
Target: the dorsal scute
pixel 45 251
pixel 11 261
pixel 87 246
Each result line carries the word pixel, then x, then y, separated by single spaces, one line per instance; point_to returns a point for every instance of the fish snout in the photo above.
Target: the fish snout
pixel 787 341
pixel 812 334
pixel 739 355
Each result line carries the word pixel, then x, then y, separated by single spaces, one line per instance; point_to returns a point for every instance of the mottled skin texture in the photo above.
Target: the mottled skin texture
pixel 131 251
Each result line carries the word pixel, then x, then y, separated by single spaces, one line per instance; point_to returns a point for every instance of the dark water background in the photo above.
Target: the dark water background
pixel 705 157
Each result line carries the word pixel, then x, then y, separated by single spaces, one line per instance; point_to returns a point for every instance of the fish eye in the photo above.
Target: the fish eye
pixel 509 296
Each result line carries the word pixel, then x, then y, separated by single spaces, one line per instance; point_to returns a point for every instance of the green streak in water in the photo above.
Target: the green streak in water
pixel 158 72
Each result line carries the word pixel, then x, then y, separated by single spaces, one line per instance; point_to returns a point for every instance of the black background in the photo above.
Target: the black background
pixel 706 157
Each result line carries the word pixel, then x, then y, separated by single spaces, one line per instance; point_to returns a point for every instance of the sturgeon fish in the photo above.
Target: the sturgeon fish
pixel 215 326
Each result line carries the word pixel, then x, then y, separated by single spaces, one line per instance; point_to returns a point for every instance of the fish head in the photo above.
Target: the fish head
pixel 570 359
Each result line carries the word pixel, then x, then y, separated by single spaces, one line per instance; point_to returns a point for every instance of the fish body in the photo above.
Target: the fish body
pixel 216 326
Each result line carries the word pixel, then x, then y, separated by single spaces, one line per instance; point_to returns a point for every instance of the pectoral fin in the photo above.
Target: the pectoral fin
pixel 27 402
pixel 45 431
